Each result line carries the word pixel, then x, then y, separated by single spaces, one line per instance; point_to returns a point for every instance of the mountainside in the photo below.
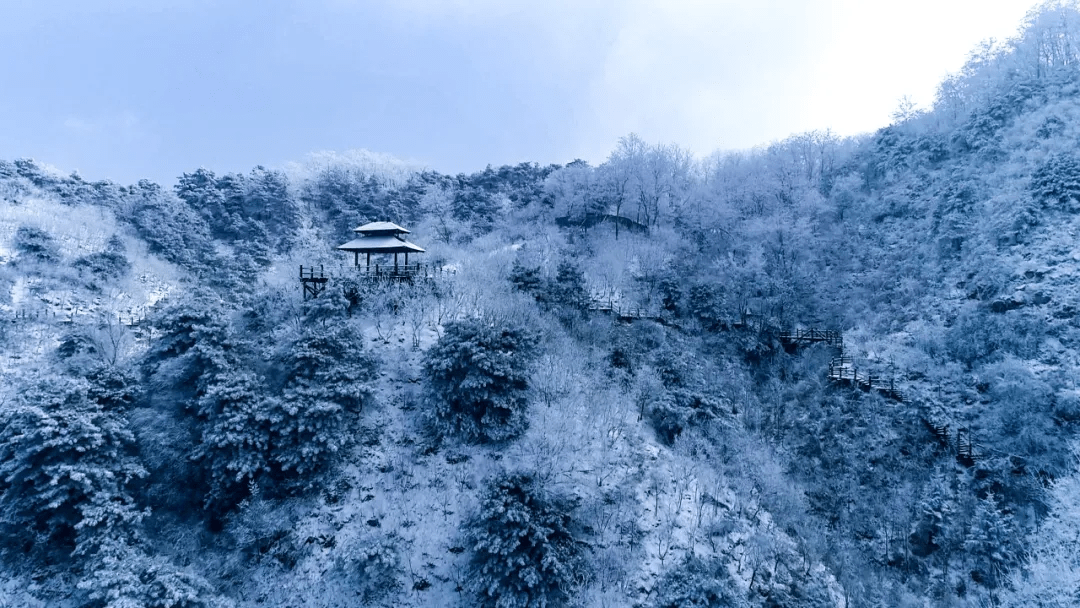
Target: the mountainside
pixel 630 384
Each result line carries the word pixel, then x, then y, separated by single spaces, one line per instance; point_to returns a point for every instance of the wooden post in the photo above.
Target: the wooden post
pixel 395 263
pixel 369 260
pixel 406 260
pixel 356 258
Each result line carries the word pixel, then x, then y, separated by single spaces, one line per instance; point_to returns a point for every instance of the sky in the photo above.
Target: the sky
pixel 132 89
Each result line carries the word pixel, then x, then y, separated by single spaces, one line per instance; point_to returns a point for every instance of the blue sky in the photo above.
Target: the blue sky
pixel 126 89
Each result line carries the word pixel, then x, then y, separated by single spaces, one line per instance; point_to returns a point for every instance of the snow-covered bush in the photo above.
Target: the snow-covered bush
pixel 125 576
pixel 36 245
pixel 1057 182
pixel 980 335
pixel 110 264
pixel 698 583
pixel 477 380
pixel 371 565
pixel 523 549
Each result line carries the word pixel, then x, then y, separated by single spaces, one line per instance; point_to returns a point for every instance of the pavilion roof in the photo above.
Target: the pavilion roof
pixel 375 228
pixel 380 244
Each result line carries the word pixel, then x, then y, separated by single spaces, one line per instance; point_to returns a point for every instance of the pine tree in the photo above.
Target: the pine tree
pixel 523 550
pixel 934 511
pixel 525 278
pixel 477 376
pixel 124 575
pixel 569 285
pixel 235 441
pixel 327 379
pixel 66 467
pixel 989 544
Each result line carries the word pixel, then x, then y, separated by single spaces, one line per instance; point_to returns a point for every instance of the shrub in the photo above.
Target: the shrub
pixel 1057 181
pixel 371 565
pixel 697 583
pixel 105 265
pixel 977 335
pixel 477 379
pixel 125 576
pixel 524 553
pixel 37 245
pixel 671 411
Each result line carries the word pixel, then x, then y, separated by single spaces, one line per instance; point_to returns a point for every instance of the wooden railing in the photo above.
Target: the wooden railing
pixel 805 336
pixel 841 369
pixel 620 310
pixel 402 270
pixel 961 443
pixel 313 281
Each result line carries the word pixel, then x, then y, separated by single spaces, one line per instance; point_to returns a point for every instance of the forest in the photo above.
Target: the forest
pixel 605 397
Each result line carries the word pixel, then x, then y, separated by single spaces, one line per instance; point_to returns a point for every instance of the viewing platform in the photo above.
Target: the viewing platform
pixel 402 272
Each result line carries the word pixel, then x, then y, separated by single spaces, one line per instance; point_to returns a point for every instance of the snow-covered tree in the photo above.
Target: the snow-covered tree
pixel 477 380
pixel 1051 576
pixel 523 548
pixel 67 466
pixel 236 436
pixel 124 575
pixel 698 583
pixel 988 545
pixel 327 379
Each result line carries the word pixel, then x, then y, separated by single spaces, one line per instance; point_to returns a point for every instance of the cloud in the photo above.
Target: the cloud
pixel 80 125
pixel 123 125
pixel 722 74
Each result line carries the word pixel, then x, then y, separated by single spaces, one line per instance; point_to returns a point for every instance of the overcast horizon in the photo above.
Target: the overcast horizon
pixel 125 89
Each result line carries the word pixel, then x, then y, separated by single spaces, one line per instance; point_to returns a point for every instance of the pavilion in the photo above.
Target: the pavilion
pixel 380 238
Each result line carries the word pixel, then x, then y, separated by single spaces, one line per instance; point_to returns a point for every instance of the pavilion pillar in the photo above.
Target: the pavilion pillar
pixel 395 263
pixel 356 258
pixel 406 259
pixel 369 260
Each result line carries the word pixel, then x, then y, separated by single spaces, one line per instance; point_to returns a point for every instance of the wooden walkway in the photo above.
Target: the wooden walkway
pixel 843 371
pixel 959 442
pixel 46 315
pixel 802 337
pixel 403 272
pixel 313 282
pixel 621 311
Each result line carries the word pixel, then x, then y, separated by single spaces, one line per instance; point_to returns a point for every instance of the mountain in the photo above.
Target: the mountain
pixel 824 372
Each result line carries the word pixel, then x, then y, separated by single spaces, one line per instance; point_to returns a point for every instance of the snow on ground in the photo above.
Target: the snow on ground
pixel 42 303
